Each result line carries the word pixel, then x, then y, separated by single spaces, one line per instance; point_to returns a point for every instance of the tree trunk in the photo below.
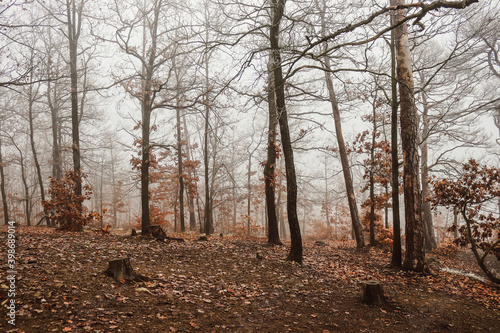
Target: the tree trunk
pixel 208 208
pixel 327 199
pixel 115 189
pixel 353 207
pixel 54 114
pixel 145 162
pixel 371 178
pixel 430 237
pixel 27 201
pixel 491 274
pixel 147 108
pixel 455 222
pixel 273 236
pixel 2 187
pixel 192 215
pixel 31 99
pixel 396 260
pixel 179 165
pixel 74 17
pixel 281 215
pixel 415 250
pixel 295 253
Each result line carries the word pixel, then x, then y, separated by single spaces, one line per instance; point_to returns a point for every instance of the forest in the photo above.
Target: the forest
pixel 250 165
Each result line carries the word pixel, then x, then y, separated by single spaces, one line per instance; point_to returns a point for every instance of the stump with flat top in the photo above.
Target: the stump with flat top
pixel 122 269
pixel 373 294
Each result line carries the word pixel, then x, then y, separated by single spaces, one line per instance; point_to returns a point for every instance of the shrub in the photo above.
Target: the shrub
pixel 65 207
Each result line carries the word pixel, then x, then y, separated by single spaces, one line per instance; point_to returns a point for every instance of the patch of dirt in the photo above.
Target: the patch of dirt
pixel 231 285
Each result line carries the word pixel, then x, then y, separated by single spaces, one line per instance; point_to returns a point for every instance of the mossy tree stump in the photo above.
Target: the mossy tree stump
pixel 122 269
pixel 373 294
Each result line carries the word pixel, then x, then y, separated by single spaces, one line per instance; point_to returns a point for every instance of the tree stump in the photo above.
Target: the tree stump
pixel 373 294
pixel 122 269
pixel 157 232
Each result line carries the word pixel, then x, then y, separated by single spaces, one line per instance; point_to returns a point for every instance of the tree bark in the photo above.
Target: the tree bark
pixel 74 17
pixel 179 165
pixel 146 106
pixel 54 114
pixel 430 237
pixel 31 100
pixel 273 236
pixel 396 260
pixel 372 177
pixel 415 250
pixel 373 294
pixel 122 269
pixel 27 199
pixel 208 218
pixel 353 207
pixel 295 253
pixel 192 215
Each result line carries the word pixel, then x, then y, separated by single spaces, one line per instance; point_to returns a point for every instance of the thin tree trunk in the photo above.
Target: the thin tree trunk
pixel 54 114
pixel 415 250
pixel 353 207
pixel 295 253
pixel 56 153
pixel 26 199
pixel 74 17
pixel 249 196
pixel 396 260
pixel 455 222
pixel 208 219
pixel 372 178
pixel 2 187
pixel 192 215
pixel 207 227
pixel 430 237
pixel 180 171
pixel 273 236
pixel 33 147
pixel 115 191
pixel 327 199
pixel 281 214
pixel 145 163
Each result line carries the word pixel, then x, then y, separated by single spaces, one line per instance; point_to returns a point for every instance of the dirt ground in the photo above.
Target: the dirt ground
pixel 233 285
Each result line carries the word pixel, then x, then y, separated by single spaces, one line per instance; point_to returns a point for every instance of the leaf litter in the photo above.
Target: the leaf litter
pixel 233 285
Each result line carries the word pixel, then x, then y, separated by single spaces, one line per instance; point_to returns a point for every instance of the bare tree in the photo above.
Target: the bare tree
pixel 415 251
pixel 353 208
pixel 146 82
pixel 273 236
pixel 295 253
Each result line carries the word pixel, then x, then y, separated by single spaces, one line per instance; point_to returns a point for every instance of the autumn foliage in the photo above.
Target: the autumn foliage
pixel 470 194
pixel 66 208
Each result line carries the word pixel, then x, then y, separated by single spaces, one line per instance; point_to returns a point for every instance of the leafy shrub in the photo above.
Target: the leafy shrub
pixel 65 207
pixel 475 188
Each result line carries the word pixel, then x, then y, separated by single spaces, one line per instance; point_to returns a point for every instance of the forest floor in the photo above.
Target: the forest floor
pixel 233 285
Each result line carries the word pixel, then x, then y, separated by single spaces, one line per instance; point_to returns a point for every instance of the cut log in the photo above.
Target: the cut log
pixel 373 294
pixel 175 239
pixel 122 269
